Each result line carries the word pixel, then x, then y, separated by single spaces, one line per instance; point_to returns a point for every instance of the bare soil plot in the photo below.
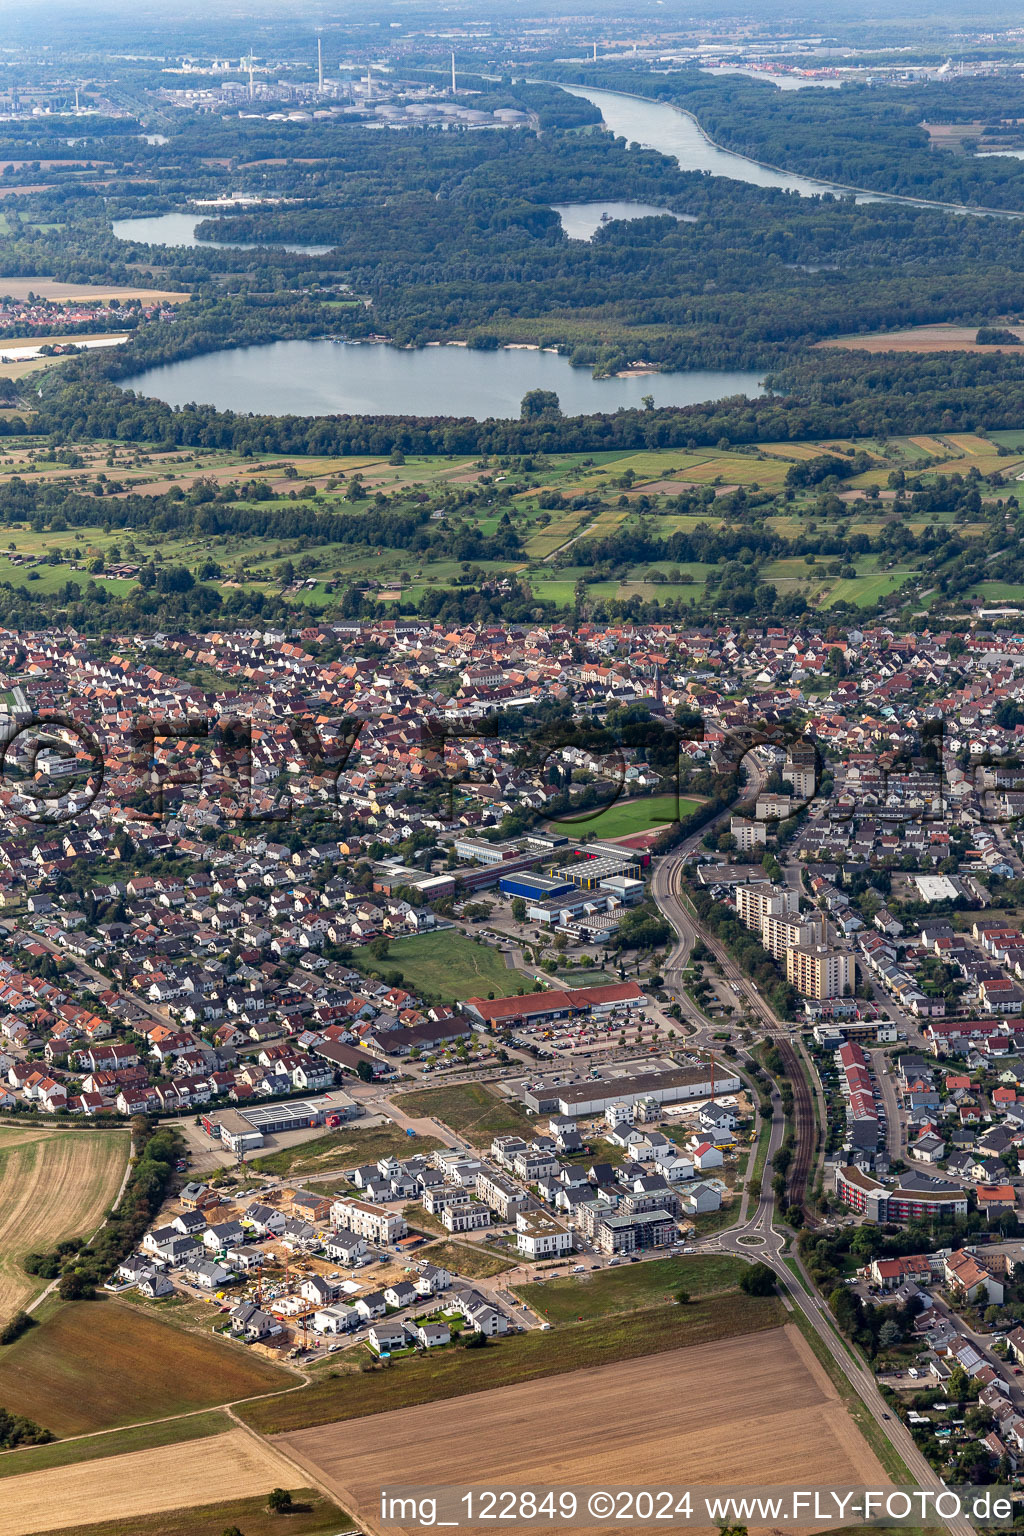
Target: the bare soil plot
pixel 143 1483
pixel 47 288
pixel 53 1185
pixel 772 1416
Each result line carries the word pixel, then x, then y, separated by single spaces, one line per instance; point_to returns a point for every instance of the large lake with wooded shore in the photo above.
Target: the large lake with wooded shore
pixel 319 378
pixel 180 229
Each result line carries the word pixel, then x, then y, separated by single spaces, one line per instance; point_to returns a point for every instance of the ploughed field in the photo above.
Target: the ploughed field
pixel 745 1410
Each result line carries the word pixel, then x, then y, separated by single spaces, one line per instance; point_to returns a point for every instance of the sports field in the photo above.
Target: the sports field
pixel 446 966
pixel 736 1411
pixel 94 1365
pixel 53 1185
pixel 627 817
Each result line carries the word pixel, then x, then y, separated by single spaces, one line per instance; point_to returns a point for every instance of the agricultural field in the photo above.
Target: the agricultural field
pixel 122 1491
pixel 66 293
pixel 470 1109
pixel 311 1514
pixel 772 1417
pixel 447 965
pixel 626 818
pixel 648 484
pixel 53 1185
pixel 919 338
pixel 999 591
pixel 118 1442
pixel 348 1147
pixel 527 1357
pixel 632 1286
pixel 93 1365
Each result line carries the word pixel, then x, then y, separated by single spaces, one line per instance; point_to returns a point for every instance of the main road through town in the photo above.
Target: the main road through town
pixel 757 1237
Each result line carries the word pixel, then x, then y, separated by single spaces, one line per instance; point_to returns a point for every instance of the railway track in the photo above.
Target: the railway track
pixel 805 1130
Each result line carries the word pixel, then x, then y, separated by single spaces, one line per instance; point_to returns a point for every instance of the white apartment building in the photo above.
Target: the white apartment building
pixel 540 1236
pixel 465 1218
pixel 756 902
pixel 781 933
pixel 370 1221
pixel 819 972
pixel 748 834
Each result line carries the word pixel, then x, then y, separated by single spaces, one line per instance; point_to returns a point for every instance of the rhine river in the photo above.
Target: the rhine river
pixel 657 125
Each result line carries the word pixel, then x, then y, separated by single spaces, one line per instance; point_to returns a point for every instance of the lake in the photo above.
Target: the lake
pixel 319 378
pixel 180 229
pixel 784 82
pixel 581 221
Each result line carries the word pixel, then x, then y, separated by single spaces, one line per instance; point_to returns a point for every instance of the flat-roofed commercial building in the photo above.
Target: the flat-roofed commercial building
pixel 535 1007
pixel 668 1087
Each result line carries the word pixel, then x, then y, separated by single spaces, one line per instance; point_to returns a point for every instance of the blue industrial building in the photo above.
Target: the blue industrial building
pixel 533 887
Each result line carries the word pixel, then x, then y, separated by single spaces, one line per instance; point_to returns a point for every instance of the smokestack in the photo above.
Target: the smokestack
pixel 595 53
pixel 319 67
pixel 453 73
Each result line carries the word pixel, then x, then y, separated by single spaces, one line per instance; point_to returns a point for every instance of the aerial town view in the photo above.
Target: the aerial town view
pixel 511 768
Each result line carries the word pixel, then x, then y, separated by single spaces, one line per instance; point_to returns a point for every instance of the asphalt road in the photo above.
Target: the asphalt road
pixel 757 1237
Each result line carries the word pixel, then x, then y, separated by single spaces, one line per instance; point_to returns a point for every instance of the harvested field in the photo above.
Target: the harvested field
pixel 47 288
pixel 772 1417
pixel 97 1365
pixel 53 1185
pixel 919 338
pixel 143 1483
pixel 311 1515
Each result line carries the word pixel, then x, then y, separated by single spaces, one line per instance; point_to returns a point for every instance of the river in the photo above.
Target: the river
pixel 657 125
pixel 673 131
pixel 180 229
pixel 317 378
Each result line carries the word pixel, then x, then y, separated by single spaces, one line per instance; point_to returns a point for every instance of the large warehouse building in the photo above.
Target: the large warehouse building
pixel 537 1007
pixel 666 1087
